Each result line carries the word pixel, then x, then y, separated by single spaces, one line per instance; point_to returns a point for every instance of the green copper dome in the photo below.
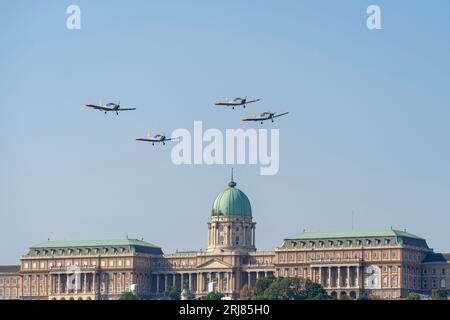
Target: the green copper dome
pixel 232 202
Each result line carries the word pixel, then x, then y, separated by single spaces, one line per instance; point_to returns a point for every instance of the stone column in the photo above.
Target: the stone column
pixel 320 275
pixel 157 283
pixel 329 277
pixel 338 277
pixel 254 236
pixel 84 282
pixel 357 276
pixel 348 277
pixel 189 282
pixel 198 283
pixel 166 280
pixel 93 283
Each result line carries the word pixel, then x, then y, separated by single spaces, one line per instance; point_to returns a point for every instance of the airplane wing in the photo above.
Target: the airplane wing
pixel 147 140
pixel 279 115
pixel 126 109
pixel 224 104
pixel 97 107
pixel 251 101
pixel 253 119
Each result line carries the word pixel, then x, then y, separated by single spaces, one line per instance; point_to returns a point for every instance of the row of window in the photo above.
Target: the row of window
pixel 433 271
pixel 334 243
pixel 44 252
pixel 8 292
pixel 103 263
pixel 433 283
pixel 337 256
pixel 8 281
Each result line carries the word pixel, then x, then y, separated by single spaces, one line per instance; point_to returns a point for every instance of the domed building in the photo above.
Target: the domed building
pixel 384 263
pixel 231 226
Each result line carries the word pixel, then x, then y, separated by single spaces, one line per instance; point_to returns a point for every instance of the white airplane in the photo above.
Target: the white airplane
pixel 109 107
pixel 161 138
pixel 235 102
pixel 265 116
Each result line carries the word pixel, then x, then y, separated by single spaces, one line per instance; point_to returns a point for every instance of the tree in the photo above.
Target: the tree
pixel 262 284
pixel 128 296
pixel 214 295
pixel 439 294
pixel 172 293
pixel 315 291
pixel 413 296
pixel 290 289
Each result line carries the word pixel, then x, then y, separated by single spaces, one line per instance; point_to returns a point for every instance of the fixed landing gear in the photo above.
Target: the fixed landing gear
pixel 272 121
pixel 262 122
pixel 106 112
pixel 117 112
pixel 153 143
pixel 164 143
pixel 233 108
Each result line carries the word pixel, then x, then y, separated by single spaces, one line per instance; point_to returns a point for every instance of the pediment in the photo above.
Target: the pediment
pixel 214 264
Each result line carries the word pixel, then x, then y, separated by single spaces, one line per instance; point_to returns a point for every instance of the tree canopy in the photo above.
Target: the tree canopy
pixel 288 289
pixel 214 295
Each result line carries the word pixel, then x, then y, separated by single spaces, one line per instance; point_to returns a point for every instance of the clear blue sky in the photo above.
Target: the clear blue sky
pixel 368 129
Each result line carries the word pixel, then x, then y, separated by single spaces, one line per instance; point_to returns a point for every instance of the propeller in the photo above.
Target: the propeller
pixel 149 134
pixel 253 113
pixel 100 102
pixel 226 98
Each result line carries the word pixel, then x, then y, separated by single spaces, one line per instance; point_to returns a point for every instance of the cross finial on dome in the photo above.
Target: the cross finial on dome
pixel 232 184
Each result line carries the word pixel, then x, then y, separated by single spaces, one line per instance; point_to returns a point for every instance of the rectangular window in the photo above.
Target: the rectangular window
pixel 394 281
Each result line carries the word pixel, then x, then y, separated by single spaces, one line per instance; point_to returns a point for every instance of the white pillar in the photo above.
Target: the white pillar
pixel 348 277
pixel 357 276
pixel 339 277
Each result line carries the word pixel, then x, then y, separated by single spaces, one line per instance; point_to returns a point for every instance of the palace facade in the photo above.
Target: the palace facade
pixel 388 264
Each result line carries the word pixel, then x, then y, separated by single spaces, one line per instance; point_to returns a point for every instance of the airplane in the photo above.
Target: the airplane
pixel 109 107
pixel 235 102
pixel 157 138
pixel 265 116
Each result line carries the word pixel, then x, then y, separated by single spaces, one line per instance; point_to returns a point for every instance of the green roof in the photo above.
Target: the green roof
pixel 232 202
pixel 353 234
pixel 94 243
